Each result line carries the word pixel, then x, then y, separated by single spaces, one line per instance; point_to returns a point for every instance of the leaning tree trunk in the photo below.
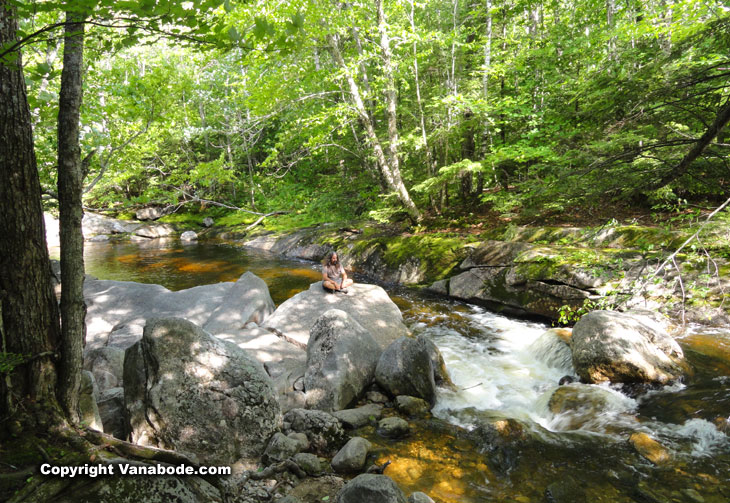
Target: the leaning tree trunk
pixel 70 190
pixel 391 174
pixel 721 120
pixel 29 310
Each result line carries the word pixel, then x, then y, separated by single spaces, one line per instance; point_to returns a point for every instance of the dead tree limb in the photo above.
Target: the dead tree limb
pixel 721 120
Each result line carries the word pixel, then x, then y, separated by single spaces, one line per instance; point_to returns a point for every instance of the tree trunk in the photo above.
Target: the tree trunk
pixel 430 162
pixel 29 310
pixel 721 120
pixel 70 189
pixel 390 173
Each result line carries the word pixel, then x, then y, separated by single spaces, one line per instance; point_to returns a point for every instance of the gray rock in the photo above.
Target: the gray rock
pixel 376 397
pixel 308 462
pixel 369 305
pixel 123 336
pixel 188 236
pixel 280 448
pixel 188 391
pixel 360 416
pixel 155 231
pixel 107 365
pixel 494 254
pixel 113 413
pixel 405 368
pixel 393 427
pixel 440 374
pixel 301 440
pixel 411 406
pixel 208 222
pixel 624 347
pixel 93 224
pixel 323 430
pixel 351 458
pixel 440 287
pixel 287 373
pixel 88 396
pixel 419 497
pixel 313 251
pixel 247 300
pixel 341 360
pixel 117 310
pixel 368 487
pixel 99 238
pixel 150 213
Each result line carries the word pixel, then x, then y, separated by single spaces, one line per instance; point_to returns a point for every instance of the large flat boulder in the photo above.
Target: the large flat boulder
pixel 189 391
pixel 220 307
pixel 114 304
pixel 94 225
pixel 625 347
pixel 341 360
pixel 369 305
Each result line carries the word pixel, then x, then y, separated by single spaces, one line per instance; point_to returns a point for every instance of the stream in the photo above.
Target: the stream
pixel 571 449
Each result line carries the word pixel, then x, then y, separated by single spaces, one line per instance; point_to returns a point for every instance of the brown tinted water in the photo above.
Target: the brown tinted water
pixel 581 455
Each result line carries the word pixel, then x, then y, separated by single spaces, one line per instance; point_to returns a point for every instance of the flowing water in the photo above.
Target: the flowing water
pixel 565 443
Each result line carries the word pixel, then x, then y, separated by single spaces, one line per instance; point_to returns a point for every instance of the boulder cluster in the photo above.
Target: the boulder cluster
pixel 219 375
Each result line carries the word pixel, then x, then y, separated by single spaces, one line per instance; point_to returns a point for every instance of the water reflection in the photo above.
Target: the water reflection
pixel 176 267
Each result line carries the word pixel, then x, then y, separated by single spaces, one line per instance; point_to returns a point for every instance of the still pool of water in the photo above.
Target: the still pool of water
pixel 573 449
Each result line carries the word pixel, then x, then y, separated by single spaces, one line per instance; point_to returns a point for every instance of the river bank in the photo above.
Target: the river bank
pixel 549 272
pixel 556 273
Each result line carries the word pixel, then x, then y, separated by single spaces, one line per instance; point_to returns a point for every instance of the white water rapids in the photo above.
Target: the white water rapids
pixel 512 368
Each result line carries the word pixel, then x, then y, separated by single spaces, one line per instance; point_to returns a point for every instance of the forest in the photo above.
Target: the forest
pixel 375 109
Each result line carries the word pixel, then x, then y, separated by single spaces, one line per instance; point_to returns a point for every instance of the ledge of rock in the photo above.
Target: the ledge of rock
pixel 369 305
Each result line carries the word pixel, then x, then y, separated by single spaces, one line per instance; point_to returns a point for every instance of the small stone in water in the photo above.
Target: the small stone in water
pixel 393 427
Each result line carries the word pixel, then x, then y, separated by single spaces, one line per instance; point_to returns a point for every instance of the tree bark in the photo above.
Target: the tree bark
pixel 390 173
pixel 70 190
pixel 390 94
pixel 29 310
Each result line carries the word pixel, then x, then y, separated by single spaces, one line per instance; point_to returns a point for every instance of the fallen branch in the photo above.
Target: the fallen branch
pixel 261 218
pixel 689 240
pixel 672 258
pixel 288 339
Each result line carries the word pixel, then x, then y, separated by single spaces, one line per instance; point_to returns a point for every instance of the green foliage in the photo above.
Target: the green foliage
pixel 243 103
pixel 9 361
pixel 569 315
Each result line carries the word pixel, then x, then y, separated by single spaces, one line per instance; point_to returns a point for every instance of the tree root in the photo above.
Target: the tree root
pixel 286 465
pixel 128 449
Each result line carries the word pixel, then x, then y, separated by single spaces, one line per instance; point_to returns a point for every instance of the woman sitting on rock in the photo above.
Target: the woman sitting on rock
pixel 334 277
